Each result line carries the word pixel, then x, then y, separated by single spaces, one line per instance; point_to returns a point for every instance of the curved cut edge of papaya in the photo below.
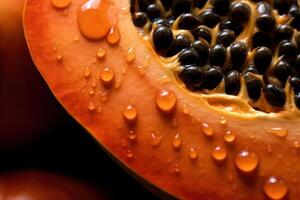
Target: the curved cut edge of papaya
pixel 150 147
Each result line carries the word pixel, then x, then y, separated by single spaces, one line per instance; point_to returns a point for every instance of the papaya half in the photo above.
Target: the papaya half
pixel 40 185
pixel 27 107
pixel 198 98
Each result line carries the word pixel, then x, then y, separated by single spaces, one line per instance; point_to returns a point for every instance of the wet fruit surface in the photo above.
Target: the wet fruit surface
pixel 197 105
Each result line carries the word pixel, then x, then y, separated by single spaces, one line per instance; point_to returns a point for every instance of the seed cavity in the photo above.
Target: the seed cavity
pixel 223 46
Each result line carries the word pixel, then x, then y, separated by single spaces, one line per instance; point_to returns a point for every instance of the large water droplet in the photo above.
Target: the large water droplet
pixel 246 161
pixel 166 100
pixel 93 19
pixel 219 153
pixel 61 4
pixel 130 113
pixel 275 188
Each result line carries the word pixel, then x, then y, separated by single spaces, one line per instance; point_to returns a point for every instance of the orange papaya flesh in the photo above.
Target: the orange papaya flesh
pixel 117 87
pixel 28 109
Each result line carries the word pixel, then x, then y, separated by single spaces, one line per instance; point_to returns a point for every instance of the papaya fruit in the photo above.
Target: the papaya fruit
pixel 28 109
pixel 197 98
pixel 40 185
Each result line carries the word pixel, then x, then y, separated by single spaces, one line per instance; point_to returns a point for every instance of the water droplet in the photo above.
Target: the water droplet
pixel 87 72
pixel 177 141
pixel 124 143
pixel 141 71
pixel 275 188
pixel 130 113
pixel 185 109
pixel 129 154
pixel 296 144
pixel 93 19
pixel 91 107
pixel 130 55
pixel 155 140
pixel 229 136
pixel 118 84
pixel 132 136
pixel 219 153
pixel 193 153
pixel 175 123
pixel 91 92
pixel 99 109
pixel 279 132
pixel 176 169
pixel 166 100
pixel 246 161
pixel 101 53
pixel 208 130
pixel 59 57
pixel 113 36
pixel 269 148
pixel 223 121
pixel 61 4
pixel 107 76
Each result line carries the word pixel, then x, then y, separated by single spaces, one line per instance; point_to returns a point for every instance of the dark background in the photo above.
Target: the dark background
pixel 72 151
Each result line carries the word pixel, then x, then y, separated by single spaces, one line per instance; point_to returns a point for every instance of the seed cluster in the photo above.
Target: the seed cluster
pixel 228 41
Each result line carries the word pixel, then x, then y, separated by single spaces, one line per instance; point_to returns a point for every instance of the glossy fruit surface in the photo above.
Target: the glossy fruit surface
pixel 187 144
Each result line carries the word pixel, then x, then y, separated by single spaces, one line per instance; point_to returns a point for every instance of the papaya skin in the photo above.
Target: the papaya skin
pixel 200 178
pixel 28 109
pixel 41 185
